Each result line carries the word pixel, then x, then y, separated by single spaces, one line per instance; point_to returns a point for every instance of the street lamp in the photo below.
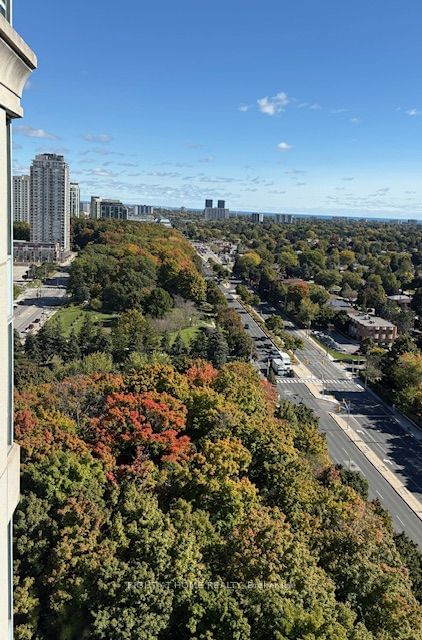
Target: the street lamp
pixel 347 405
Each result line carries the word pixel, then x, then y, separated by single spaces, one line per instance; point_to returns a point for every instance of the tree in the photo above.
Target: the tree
pixel 406 375
pixel 319 295
pixel 328 278
pixel 347 257
pixel 21 231
pixel 416 303
pixel 412 558
pixel 292 343
pixel 347 292
pixel 199 345
pixel 275 324
pixel 374 364
pixel 288 260
pixel 50 340
pixel 356 480
pixel 214 296
pixel 133 332
pixel 218 349
pixel 351 278
pixel 178 347
pixel 158 303
pixel 307 312
pixel 87 335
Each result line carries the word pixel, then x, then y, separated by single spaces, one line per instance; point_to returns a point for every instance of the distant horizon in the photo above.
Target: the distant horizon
pixel 284 108
pixel 301 214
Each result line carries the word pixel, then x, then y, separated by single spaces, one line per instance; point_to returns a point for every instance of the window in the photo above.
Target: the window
pixel 5 8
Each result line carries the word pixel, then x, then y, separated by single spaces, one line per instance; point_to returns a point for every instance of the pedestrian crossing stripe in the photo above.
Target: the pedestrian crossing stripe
pixel 315 380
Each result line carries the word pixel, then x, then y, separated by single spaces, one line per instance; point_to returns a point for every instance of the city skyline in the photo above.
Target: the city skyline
pixel 308 110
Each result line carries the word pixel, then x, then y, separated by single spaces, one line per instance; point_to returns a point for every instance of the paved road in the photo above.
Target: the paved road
pixel 378 425
pixel 389 434
pixel 35 306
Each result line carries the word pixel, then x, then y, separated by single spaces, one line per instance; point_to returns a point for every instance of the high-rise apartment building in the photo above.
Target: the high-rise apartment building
pixel 21 196
pixel 16 63
pixel 145 210
pixel 94 209
pixel 257 217
pixel 108 209
pixel 283 218
pixel 216 213
pixel 75 200
pixel 50 200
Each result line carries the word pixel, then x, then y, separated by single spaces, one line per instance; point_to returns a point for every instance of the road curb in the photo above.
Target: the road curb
pixel 413 503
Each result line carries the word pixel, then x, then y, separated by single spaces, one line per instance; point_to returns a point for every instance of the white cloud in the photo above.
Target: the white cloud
pixel 284 146
pixel 380 192
pixel 163 174
pixel 206 159
pixel 413 112
pixel 244 107
pixel 274 104
pixel 101 173
pixel 315 106
pixel 29 132
pixel 355 120
pixel 338 111
pixel 294 172
pixel 347 179
pixel 98 137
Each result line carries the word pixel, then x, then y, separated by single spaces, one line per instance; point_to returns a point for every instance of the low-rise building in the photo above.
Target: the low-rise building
pixel 401 300
pixel 38 252
pixel 364 325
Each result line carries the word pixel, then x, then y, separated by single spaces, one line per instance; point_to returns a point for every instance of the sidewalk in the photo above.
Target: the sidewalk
pixel 388 475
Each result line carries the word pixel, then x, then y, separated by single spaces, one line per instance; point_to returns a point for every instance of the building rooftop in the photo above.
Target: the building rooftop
pixel 400 298
pixel 368 320
pixel 339 303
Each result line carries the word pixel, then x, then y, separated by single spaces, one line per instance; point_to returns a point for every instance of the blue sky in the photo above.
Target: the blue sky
pixel 291 105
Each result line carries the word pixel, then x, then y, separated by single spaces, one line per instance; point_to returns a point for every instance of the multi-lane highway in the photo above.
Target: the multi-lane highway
pixel 395 441
pixel 35 306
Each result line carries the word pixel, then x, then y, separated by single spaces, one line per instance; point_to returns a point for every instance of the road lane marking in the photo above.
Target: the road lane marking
pixel 379 494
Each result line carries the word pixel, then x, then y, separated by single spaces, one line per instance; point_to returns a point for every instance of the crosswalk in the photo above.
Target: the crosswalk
pixel 319 381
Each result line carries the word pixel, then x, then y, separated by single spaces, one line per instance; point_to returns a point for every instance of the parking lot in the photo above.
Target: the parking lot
pixel 337 341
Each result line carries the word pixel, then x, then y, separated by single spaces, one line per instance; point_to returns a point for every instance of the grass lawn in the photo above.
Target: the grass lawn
pixel 189 333
pixel 72 317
